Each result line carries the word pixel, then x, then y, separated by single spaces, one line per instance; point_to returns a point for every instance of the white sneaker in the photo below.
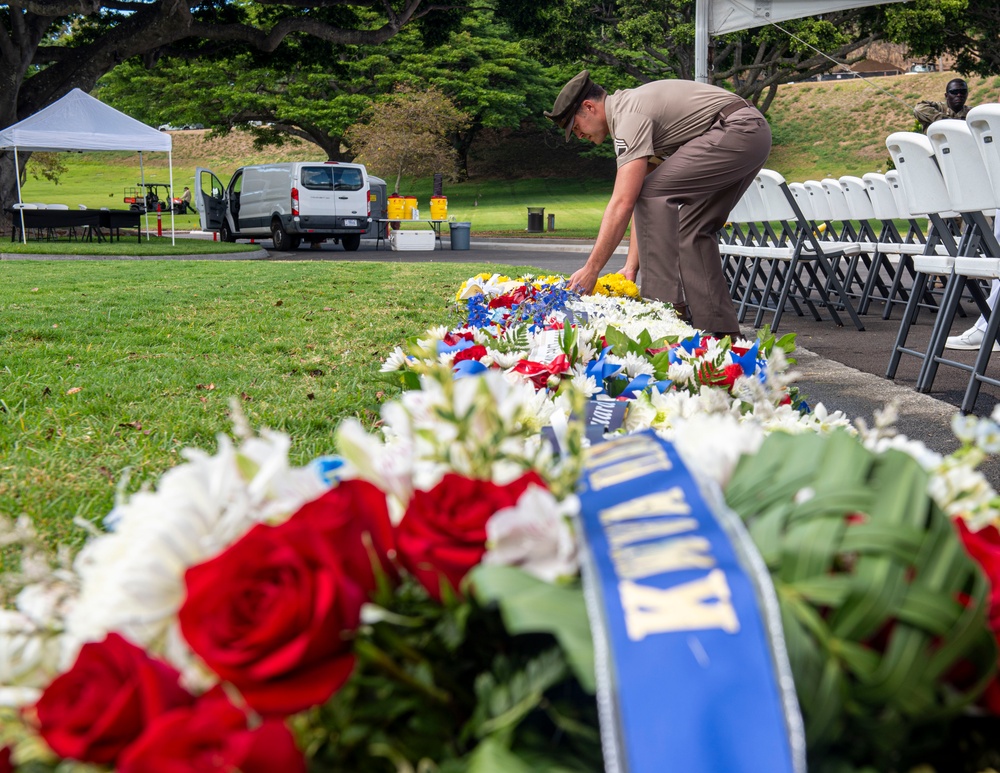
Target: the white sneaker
pixel 971 339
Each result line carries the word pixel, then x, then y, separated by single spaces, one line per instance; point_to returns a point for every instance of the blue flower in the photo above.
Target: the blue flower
pixel 328 469
pixel 467 368
pixel 443 348
pixel 747 361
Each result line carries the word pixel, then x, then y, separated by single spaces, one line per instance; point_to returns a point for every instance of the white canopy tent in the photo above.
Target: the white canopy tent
pixel 79 122
pixel 717 17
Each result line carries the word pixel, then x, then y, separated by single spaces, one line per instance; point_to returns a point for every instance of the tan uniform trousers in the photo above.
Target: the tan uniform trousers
pixel 681 207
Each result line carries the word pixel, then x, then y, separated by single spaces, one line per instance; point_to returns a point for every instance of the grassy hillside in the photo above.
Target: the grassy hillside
pixel 835 128
pixel 822 129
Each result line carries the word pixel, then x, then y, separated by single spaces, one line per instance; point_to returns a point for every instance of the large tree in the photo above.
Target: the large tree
pixel 407 134
pixel 653 41
pixel 318 95
pixel 48 47
pixel 649 41
pixel 969 30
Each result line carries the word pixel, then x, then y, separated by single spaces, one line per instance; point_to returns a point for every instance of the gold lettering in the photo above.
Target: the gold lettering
pixel 616 450
pixel 619 461
pixel 696 605
pixel 622 534
pixel 669 502
pixel 671 555
pixel 628 470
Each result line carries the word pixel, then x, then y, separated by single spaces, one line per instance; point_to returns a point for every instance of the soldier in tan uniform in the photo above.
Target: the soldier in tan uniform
pixel 955 94
pixel 685 152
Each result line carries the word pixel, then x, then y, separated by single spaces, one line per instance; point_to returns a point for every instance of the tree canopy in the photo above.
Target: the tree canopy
pixel 317 96
pixel 407 134
pixel 49 47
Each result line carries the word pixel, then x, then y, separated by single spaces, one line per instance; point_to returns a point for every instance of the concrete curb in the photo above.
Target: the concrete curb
pixel 541 246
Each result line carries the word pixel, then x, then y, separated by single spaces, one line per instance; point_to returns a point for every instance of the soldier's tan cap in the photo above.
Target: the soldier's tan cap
pixel 569 100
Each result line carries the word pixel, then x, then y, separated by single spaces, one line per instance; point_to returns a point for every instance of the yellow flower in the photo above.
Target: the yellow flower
pixel 615 285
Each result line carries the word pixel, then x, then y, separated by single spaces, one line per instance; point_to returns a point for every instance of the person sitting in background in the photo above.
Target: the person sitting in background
pixel 955 94
pixel 973 337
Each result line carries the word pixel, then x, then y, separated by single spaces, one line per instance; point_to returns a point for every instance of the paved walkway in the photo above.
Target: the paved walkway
pixel 839 366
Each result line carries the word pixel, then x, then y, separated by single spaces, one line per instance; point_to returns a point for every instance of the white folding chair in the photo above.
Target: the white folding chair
pixel 760 249
pixel 983 122
pixel 877 260
pixel 805 255
pixel 956 153
pixel 843 229
pixel 922 187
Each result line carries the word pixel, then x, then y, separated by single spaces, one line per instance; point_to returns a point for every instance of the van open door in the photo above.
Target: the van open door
pixel 210 196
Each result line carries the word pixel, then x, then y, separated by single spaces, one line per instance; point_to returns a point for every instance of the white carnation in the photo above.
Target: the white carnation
pixel 132 578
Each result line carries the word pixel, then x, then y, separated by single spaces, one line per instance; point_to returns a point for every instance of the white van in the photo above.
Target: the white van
pixel 302 200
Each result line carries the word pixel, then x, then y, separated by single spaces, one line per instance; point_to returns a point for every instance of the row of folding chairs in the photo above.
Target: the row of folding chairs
pixel 953 170
pixel 777 258
pixel 834 247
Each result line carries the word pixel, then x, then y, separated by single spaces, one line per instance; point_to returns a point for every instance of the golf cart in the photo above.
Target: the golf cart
pixel 148 196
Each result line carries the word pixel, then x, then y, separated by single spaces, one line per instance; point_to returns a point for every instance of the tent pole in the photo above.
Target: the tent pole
pixel 170 165
pixel 145 200
pixel 17 178
pixel 701 12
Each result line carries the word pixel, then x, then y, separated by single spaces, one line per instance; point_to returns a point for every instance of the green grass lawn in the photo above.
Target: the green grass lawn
pixel 491 206
pixel 109 368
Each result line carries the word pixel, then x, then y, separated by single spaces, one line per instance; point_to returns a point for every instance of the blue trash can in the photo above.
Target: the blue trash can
pixel 460 235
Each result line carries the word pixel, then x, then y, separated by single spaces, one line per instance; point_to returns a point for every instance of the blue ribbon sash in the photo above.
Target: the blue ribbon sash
pixel 692 671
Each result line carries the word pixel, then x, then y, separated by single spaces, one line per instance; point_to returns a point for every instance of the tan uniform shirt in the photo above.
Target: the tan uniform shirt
pixel 657 118
pixel 929 112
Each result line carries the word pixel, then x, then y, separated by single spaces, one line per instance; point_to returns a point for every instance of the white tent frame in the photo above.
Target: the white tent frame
pixel 32 135
pixel 717 17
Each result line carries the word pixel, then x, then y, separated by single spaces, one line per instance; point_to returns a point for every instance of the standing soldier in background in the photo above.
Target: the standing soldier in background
pixel 955 94
pixel 685 152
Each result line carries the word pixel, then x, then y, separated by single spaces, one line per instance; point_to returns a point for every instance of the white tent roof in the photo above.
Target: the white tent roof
pixel 79 121
pixel 733 15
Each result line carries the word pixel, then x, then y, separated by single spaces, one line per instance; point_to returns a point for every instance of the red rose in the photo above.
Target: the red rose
pixel 443 532
pixel 105 701
pixel 539 373
pixel 354 519
pixel 450 339
pixel 475 352
pixel 984 547
pixel 212 736
pixel 273 613
pixel 502 302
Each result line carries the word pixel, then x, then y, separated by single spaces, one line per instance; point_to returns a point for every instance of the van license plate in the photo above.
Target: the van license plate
pixel 351 221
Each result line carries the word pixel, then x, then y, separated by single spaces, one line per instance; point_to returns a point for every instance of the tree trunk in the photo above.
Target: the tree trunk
pixel 8 186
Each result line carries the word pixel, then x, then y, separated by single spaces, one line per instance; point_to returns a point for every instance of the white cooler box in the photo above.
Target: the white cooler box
pixel 411 240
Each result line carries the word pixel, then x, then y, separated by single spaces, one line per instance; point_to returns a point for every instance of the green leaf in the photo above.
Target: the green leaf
pixel 491 756
pixel 530 605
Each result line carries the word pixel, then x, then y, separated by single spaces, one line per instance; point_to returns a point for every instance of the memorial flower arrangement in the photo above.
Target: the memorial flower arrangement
pixel 414 601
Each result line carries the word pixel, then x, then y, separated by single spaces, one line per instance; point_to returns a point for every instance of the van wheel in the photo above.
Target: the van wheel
pixel 351 242
pixel 282 241
pixel 226 233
